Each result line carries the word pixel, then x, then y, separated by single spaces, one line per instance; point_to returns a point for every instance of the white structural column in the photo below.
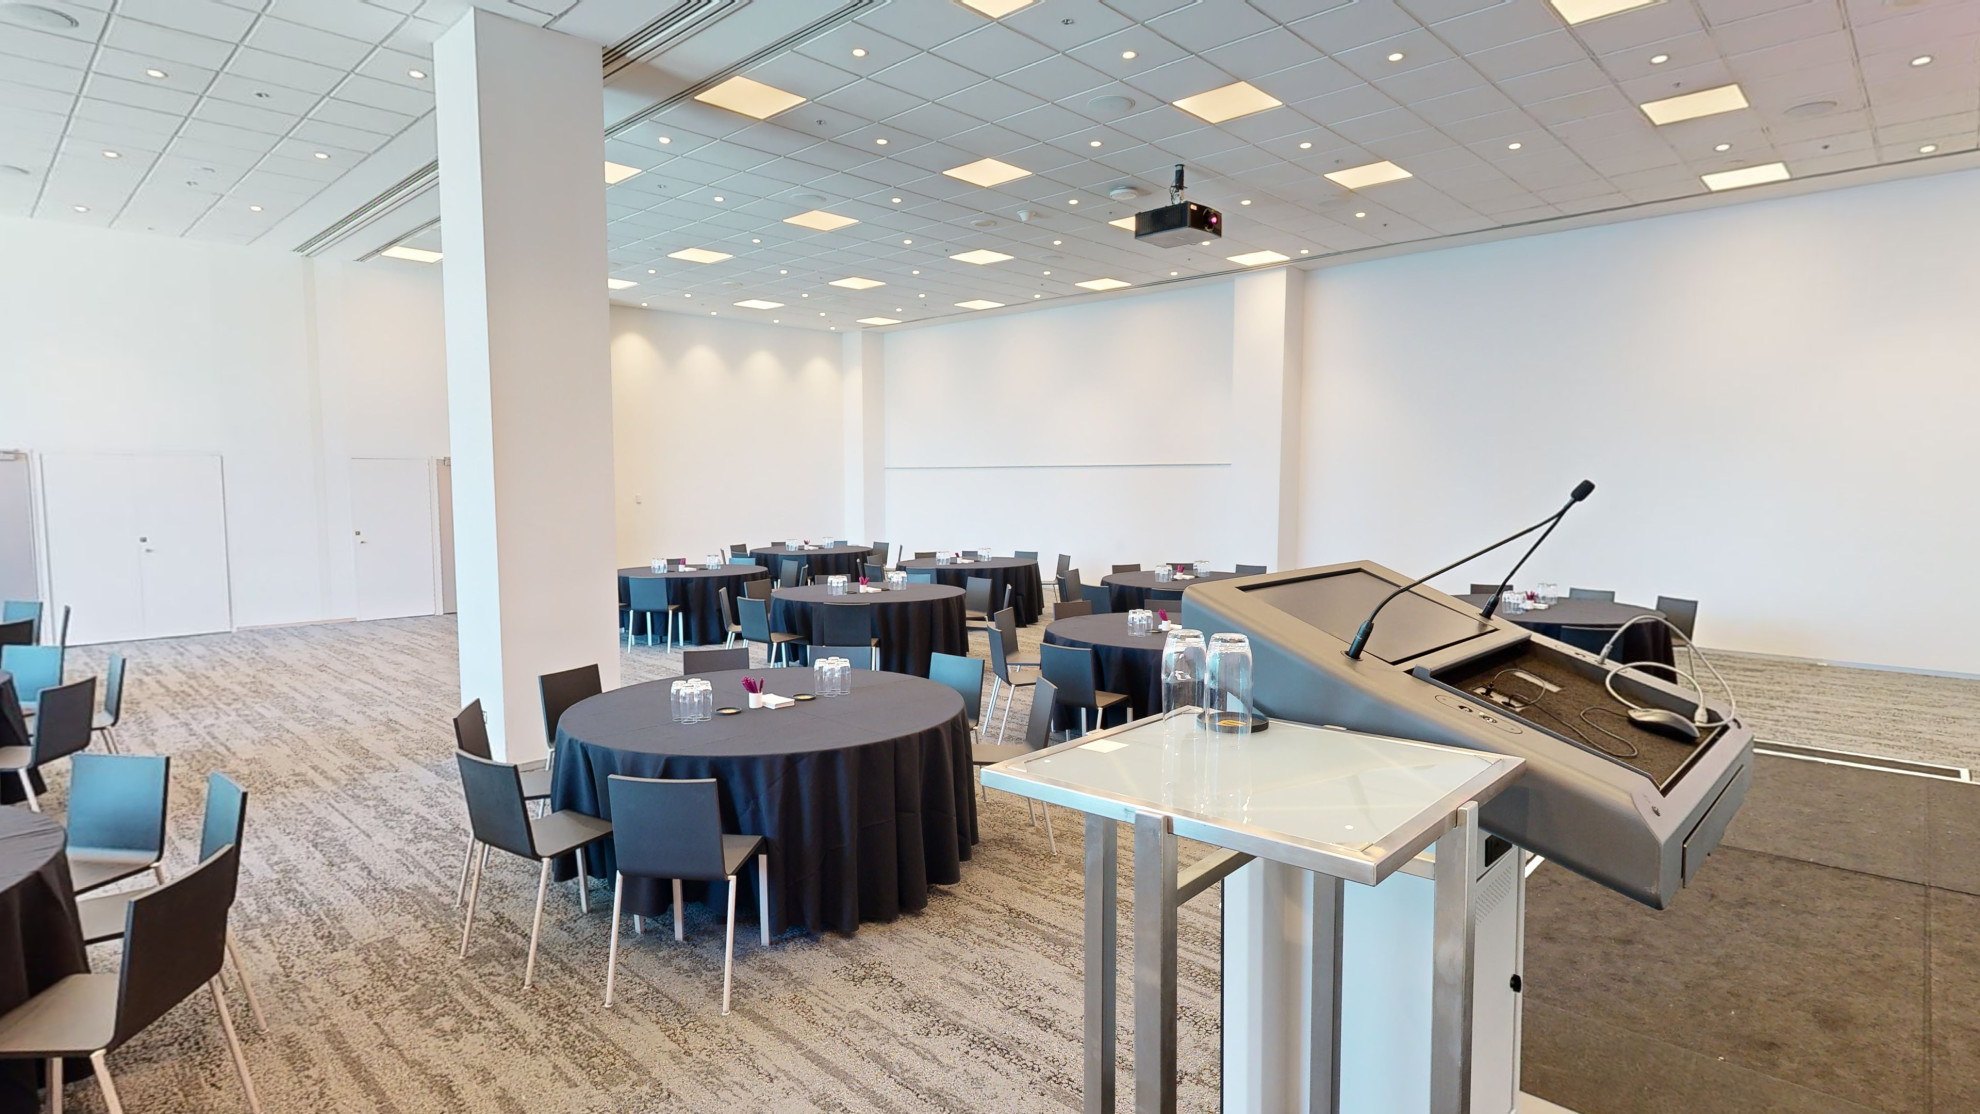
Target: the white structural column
pixel 1266 363
pixel 863 378
pixel 529 383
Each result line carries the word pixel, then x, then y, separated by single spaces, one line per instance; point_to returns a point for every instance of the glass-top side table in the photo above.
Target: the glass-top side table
pixel 1346 806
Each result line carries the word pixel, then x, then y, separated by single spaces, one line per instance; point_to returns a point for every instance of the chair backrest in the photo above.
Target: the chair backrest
pixel 999 657
pixel 790 572
pixel 714 661
pixel 471 731
pixel 561 690
pixel 755 588
pixel 840 542
pixel 1069 586
pixel 1099 596
pixel 1070 669
pixel 1250 570
pixel 1064 566
pixel 648 593
pixel 725 609
pixel 1006 620
pixel 113 690
pixel 965 675
pixel 175 937
pixel 921 576
pixel 117 802
pixel 496 812
pixel 924 555
pixel 875 573
pixel 1022 554
pixel 1038 727
pixel 63 641
pixel 1127 568
pixel 745 559
pixel 667 828
pixel 1605 595
pixel 1682 613
pixel 754 616
pixel 34 668
pixel 861 656
pixel 20 632
pixel 740 549
pixel 225 820
pixel 842 624
pixel 1068 609
pixel 1478 589
pixel 64 719
pixel 976 594
pixel 880 552
pixel 16 610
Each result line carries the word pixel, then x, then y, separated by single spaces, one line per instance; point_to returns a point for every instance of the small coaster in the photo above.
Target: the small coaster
pixel 805 696
pixel 1104 746
pixel 728 711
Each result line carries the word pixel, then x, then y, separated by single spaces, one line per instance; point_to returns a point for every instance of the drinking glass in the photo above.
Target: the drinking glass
pixel 715 560
pixel 941 558
pixel 1183 671
pixel 820 678
pixel 835 585
pixel 704 705
pixel 679 692
pixel 1227 683
pixel 658 565
pixel 1164 574
pixel 842 681
pixel 896 580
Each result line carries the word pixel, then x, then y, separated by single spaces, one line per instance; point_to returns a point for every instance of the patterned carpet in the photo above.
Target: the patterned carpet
pixel 346 916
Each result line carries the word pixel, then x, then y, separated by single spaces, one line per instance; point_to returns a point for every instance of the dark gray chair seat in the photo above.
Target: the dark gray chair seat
pixel 713 661
pixel 989 754
pixel 564 831
pixel 76 1016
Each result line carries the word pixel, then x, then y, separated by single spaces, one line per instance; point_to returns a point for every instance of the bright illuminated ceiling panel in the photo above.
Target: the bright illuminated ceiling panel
pixel 749 98
pixel 1237 99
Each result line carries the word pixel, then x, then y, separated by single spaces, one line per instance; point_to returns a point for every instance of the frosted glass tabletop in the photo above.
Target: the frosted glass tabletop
pixel 1352 805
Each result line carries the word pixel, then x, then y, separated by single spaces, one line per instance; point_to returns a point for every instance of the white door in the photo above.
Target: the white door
pixel 393 536
pixel 443 503
pixel 179 505
pixel 93 558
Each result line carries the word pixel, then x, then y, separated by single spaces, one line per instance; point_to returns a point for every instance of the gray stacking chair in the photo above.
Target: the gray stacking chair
pixel 1068 609
pixel 740 549
pixel 1682 613
pixel 1250 570
pixel 34 668
pixel 105 721
pixel 1478 589
pixel 755 616
pixel 876 574
pixel 18 632
pixel 60 729
pixel 471 735
pixel 175 938
pixel 746 559
pixel 673 829
pixel 1070 669
pixel 924 555
pixel 713 661
pixel 500 819
pixel 757 589
pixel 1022 554
pixel 881 550
pixel 841 625
pixel 652 596
pixel 730 628
pixel 1001 667
pixel 1037 736
pixel 977 603
pixel 562 689
pixel 1100 596
pixel 1069 586
pixel 790 572
pixel 116 817
pixel 965 675
pixel 921 576
pixel 1064 566
pixel 1127 568
pixel 105 917
pixel 1604 594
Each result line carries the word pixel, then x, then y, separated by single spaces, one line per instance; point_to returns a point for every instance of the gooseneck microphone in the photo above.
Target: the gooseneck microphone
pixel 1581 491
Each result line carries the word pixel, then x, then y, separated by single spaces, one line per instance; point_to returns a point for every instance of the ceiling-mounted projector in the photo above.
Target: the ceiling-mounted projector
pixel 1180 223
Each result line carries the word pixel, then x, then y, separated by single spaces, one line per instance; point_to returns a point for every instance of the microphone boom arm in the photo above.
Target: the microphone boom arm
pixel 1368 626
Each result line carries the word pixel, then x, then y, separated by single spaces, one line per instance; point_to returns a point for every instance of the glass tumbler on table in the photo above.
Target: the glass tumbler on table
pixel 1183 671
pixel 835 585
pixel 678 702
pixel 1227 683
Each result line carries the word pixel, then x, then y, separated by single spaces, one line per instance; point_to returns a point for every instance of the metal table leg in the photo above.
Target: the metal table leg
pixel 1460 860
pixel 1102 911
pixel 1323 1095
pixel 1154 964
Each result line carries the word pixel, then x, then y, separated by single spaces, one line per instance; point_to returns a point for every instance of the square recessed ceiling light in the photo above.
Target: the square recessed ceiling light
pixel 619 284
pixel 1124 222
pixel 987 173
pixel 857 283
pixel 979 303
pixel 750 98
pixel 997 9
pixel 980 256
pixel 415 255
pixel 699 255
pixel 1258 258
pixel 1746 176
pixel 820 220
pixel 1690 106
pixel 1581 11
pixel 1372 174
pixel 1103 284
pixel 879 320
pixel 1228 103
pixel 759 303
pixel 616 172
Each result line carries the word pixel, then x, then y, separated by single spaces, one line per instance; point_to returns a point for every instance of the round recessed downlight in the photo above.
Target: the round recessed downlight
pixel 719 199
pixel 895 200
pixel 254 208
pixel 1129 55
pixel 882 142
pixel 1723 147
pixel 1072 200
pixel 1396 57
pixel 859 52
pixel 36 16
pixel 416 75
pixel 1093 143
pixel 1659 59
pixel 915 272
pixel 80 208
pixel 907 242
pixel 1246 201
pixel 112 155
pixel 1513 146
pixel 755 241
pixel 156 74
pixel 1044 272
pixel 1173 274
pixel 1306 146
pixel 1304 251
pixel 1928 148
pixel 1358 216
pixel 666 139
pixel 323 154
pixel 1922 60
pixel 1056 243
pixel 782 271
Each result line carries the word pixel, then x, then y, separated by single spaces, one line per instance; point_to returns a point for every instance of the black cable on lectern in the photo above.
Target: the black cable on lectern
pixel 1581 491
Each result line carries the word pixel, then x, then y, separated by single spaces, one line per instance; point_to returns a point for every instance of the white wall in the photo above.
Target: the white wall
pixel 1776 400
pixel 1099 430
pixel 724 431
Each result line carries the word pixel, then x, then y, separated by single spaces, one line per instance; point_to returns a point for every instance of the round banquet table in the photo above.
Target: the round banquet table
pixel 911 622
pixel 1589 623
pixel 867 799
pixel 1129 590
pixel 1130 664
pixel 40 931
pixel 1020 573
pixel 694 590
pixel 820 561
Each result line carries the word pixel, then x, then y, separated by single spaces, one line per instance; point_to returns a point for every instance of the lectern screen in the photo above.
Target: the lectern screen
pixel 1337 603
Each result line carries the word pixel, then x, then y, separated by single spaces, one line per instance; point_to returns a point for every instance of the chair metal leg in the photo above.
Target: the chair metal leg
pixel 1082 722
pixel 234 1044
pixel 247 985
pixel 536 924
pixel 583 883
pixel 639 925
pixel 55 1085
pixel 1031 811
pixel 680 932
pixel 1007 714
pixel 27 786
pixel 103 1083
pixel 612 952
pixel 763 896
pixel 1051 840
pixel 729 958
pixel 996 685
pixel 467 863
pixel 474 895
